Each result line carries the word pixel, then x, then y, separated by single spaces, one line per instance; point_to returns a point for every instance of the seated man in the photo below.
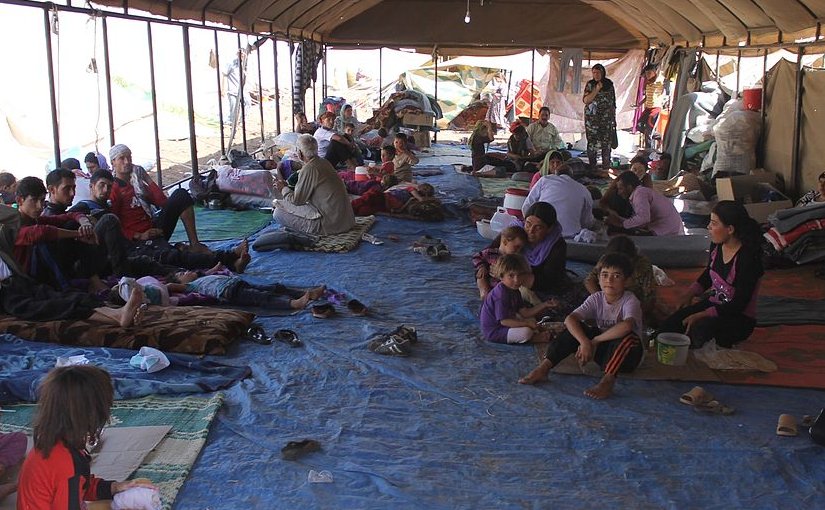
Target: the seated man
pixel 146 257
pixel 60 184
pixel 319 203
pixel 8 187
pixel 543 135
pixel 135 196
pixel 653 213
pixel 51 266
pixel 573 202
pixel 333 147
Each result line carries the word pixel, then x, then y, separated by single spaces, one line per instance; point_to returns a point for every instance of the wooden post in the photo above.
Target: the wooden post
pixel 190 103
pixel 532 80
pixel 52 94
pixel 220 95
pixel 108 82
pixel 277 87
pixel 153 90
pixel 797 124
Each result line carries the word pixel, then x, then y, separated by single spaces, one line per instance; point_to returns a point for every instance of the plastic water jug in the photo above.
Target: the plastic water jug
pixel 502 220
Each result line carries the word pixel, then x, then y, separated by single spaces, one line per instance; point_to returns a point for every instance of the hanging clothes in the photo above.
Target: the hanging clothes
pixel 568 55
pixel 307 55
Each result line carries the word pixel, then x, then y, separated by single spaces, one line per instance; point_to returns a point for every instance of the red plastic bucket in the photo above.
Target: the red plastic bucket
pixel 752 99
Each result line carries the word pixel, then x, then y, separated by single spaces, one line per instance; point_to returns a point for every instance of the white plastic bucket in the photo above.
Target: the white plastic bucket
pixel 672 348
pixel 501 220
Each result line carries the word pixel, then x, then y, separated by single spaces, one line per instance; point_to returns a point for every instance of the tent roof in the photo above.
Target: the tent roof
pixel 500 26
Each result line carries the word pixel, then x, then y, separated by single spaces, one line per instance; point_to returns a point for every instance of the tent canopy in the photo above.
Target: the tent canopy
pixel 502 26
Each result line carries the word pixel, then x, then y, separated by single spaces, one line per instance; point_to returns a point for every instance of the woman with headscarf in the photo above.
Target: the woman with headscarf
pixel 346 116
pixel 600 117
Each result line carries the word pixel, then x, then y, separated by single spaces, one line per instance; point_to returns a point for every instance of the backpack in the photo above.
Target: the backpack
pixel 204 188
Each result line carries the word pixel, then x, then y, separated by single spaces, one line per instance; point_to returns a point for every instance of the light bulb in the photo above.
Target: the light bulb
pixel 467 17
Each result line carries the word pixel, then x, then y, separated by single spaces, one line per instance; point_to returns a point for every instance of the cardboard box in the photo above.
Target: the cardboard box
pixel 419 119
pixel 422 138
pixel 750 190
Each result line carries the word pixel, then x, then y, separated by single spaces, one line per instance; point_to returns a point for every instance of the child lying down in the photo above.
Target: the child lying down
pixel 222 286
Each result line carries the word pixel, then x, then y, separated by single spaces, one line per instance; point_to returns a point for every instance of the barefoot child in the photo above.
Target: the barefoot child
pixel 73 407
pixel 511 240
pixel 613 343
pixel 232 289
pixel 504 317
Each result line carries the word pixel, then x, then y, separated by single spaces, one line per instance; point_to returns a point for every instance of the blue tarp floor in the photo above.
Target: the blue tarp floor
pixel 449 427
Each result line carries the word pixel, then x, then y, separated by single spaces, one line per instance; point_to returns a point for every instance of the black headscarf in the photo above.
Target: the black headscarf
pixel 607 85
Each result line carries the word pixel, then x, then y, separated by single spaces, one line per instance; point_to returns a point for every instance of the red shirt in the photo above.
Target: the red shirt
pixel 60 482
pixel 42 231
pixel 125 205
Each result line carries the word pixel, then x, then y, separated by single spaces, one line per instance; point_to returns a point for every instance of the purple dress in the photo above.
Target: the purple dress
pixel 500 304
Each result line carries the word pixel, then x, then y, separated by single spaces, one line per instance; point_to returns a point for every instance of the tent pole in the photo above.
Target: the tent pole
pixel 761 154
pixel 435 64
pixel 154 91
pixel 738 71
pixel 716 67
pixel 108 82
pixel 380 76
pixel 52 98
pixel 277 88
pixel 532 80
pixel 292 84
pixel 324 76
pixel 220 95
pixel 190 104
pixel 797 123
pixel 260 94
pixel 241 86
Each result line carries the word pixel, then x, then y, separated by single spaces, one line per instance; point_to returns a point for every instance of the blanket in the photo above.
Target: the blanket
pixel 170 462
pixel 192 330
pixel 220 225
pixel 346 241
pixel 23 364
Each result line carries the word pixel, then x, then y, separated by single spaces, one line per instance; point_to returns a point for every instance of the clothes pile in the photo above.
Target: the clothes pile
pixel 798 234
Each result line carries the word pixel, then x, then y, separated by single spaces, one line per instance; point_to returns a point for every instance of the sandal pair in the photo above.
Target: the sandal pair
pixel 702 401
pixel 288 337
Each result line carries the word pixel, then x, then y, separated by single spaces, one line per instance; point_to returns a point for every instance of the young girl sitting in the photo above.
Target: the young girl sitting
pixel 510 241
pixel 73 407
pixel 614 339
pixel 504 316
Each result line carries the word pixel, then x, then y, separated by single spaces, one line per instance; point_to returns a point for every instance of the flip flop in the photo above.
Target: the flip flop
pixel 786 426
pixel 256 334
pixel 696 397
pixel 322 311
pixel 295 449
pixel 357 308
pixel 714 407
pixel 288 337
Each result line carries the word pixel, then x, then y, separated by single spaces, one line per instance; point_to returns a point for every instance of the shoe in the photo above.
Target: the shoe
pixel 322 311
pixel 406 332
pixel 295 449
pixel 288 337
pixel 357 308
pixel 256 334
pixel 392 346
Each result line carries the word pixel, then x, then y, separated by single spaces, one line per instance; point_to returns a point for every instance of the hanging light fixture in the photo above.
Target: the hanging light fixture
pixel 467 15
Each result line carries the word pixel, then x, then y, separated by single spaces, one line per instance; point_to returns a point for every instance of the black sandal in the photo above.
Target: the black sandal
pixel 356 307
pixel 288 337
pixel 256 334
pixel 322 311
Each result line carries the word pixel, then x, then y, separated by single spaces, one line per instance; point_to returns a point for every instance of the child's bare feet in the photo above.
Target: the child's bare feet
pixel 538 374
pixel 242 251
pixel 131 312
pixel 301 302
pixel 603 389
pixel 316 292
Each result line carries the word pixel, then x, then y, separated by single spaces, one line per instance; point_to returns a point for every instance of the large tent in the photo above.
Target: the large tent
pixel 504 25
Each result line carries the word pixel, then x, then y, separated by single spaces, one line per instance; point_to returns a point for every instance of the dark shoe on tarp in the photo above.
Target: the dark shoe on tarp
pixel 288 337
pixel 393 345
pixel 256 334
pixel 295 449
pixel 357 308
pixel 407 332
pixel 817 430
pixel 322 311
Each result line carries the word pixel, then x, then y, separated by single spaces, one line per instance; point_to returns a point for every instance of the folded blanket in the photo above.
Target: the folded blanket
pixel 23 364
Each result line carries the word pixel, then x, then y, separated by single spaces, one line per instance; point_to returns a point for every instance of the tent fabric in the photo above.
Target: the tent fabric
pixel 622 24
pixel 780 98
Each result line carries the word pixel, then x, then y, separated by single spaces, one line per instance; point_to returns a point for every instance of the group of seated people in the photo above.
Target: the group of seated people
pixel 521 279
pixel 58 254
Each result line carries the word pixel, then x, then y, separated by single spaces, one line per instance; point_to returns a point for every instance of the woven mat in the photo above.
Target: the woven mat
pixel 649 370
pixel 346 241
pixel 495 187
pixel 223 224
pixel 169 463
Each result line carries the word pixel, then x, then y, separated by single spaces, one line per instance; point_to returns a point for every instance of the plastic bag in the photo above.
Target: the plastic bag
pixel 737 133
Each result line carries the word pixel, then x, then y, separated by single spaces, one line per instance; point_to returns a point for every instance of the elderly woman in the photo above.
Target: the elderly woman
pixel 815 196
pixel 319 203
pixel 600 116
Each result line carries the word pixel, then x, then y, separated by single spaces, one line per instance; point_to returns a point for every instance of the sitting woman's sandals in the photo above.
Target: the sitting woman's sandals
pixel 288 337
pixel 322 311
